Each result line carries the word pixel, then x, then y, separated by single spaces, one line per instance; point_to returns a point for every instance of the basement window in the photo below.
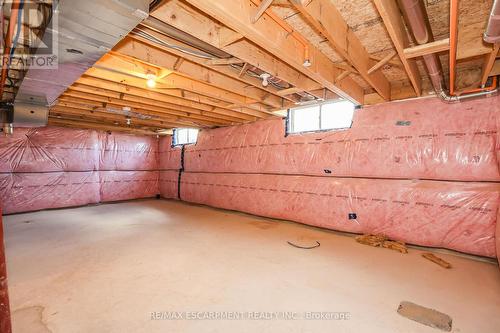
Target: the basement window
pixel 184 136
pixel 321 117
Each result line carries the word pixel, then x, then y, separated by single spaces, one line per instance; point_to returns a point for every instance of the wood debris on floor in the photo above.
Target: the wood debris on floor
pixel 382 241
pixel 436 259
pixel 425 316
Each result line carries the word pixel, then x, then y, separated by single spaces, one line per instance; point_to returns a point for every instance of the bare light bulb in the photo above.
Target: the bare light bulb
pixel 151 80
pixel 265 77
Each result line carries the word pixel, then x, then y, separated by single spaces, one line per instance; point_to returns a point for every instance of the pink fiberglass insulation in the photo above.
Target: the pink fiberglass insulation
pixel 128 152
pixel 437 141
pixel 126 185
pixel 454 215
pixel 97 167
pixel 170 157
pixel 168 184
pixel 22 192
pixel 49 149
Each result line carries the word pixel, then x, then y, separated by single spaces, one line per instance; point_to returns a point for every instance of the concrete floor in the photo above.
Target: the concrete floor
pixel 107 268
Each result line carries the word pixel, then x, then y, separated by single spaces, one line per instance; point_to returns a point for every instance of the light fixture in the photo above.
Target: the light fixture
pixel 265 77
pixel 129 120
pixel 151 80
pixel 307 63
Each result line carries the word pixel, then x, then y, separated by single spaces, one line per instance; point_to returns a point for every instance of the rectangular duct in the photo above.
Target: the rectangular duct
pixel 83 32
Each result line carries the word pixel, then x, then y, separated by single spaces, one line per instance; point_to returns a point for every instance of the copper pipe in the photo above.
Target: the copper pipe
pixel 7 48
pixel 453 55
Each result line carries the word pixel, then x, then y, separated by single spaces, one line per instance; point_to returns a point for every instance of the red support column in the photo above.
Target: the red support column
pixel 5 325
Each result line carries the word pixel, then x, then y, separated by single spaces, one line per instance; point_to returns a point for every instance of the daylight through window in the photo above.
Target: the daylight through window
pixel 324 116
pixel 184 136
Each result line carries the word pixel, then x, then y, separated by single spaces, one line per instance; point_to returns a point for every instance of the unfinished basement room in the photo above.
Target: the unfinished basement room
pixel 224 166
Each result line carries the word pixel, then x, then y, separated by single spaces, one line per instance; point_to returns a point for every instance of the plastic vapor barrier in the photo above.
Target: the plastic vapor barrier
pixel 459 216
pixel 23 192
pixel 53 167
pixel 423 138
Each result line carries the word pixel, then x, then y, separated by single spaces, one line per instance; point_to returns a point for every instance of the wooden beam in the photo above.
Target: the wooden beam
pixel 183 17
pixel 495 70
pixel 382 62
pixel 250 81
pixel 101 114
pixel 109 67
pixel 157 57
pixel 343 75
pixel 270 35
pixel 429 48
pixel 91 101
pixel 225 61
pixel 243 70
pixel 289 91
pixel 264 5
pixel 148 106
pixel 488 64
pixel 100 126
pixel 100 87
pixel 326 19
pixel 389 11
pixel 207 97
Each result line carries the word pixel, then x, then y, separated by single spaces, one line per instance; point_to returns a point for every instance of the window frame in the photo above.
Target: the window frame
pixel 174 137
pixel 290 118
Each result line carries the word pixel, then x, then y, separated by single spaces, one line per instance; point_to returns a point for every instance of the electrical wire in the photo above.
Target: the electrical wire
pixel 153 39
pixel 18 32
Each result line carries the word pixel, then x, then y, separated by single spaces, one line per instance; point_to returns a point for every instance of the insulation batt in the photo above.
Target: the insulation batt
pixel 53 167
pixel 48 149
pixel 168 184
pixel 458 216
pixel 437 141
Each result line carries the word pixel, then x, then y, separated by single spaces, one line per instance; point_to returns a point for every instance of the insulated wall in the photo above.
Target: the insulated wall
pixel 420 171
pixel 54 167
pixel 170 165
pixel 423 138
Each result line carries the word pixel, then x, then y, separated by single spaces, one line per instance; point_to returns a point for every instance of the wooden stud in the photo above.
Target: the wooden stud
pixel 488 64
pixel 326 19
pixel 391 15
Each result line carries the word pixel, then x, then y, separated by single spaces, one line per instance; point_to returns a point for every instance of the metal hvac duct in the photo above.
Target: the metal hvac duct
pixel 82 32
pixel 492 33
pixel 416 16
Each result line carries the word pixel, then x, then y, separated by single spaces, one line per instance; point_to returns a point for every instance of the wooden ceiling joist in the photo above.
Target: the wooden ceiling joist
pixel 488 64
pixel 107 68
pixel 328 21
pixel 157 57
pixel 229 71
pixel 100 87
pixel 271 35
pixel 98 125
pixel 158 113
pixel 188 19
pixel 125 84
pixel 76 110
pixel 391 16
